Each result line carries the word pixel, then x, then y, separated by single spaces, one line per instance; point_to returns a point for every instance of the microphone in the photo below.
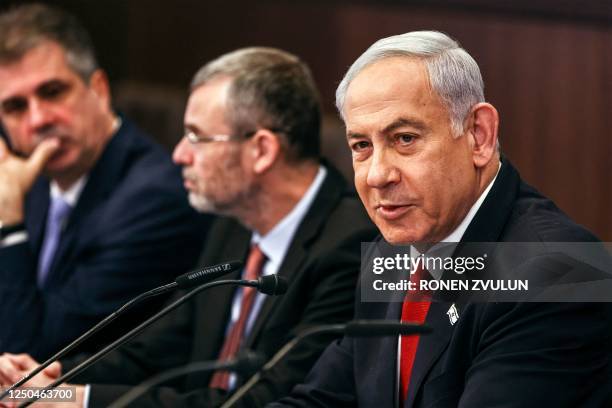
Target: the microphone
pixel 184 281
pixel 272 283
pixel 246 363
pixel 355 328
pixel 204 275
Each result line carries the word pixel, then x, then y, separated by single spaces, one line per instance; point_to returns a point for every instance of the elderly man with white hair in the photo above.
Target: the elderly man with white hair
pixel 428 169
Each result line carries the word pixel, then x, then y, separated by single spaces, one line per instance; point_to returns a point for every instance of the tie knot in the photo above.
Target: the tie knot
pixel 255 262
pixel 59 209
pixel 419 274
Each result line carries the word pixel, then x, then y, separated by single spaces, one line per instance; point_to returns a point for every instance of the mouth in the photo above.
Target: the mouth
pixel 392 211
pixel 188 184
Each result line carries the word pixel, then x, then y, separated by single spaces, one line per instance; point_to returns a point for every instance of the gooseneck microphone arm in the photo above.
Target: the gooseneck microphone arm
pixel 184 281
pixel 263 283
pixel 355 328
pixel 103 323
pixel 246 363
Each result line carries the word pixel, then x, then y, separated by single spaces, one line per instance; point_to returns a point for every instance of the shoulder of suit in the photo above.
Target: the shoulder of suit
pixel 535 217
pixel 349 215
pixel 146 165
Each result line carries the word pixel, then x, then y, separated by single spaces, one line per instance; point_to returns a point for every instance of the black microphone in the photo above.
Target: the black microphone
pixel 184 281
pixel 200 276
pixel 265 282
pixel 271 285
pixel 245 364
pixel 355 328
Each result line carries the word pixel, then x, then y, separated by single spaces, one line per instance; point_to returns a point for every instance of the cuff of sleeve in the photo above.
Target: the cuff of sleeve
pixel 86 393
pixel 14 239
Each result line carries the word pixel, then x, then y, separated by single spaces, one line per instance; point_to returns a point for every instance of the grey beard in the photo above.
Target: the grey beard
pixel 201 203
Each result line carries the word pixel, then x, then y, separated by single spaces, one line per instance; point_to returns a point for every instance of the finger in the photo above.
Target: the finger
pixel 6 364
pixel 8 371
pixel 3 378
pixel 3 149
pixel 23 361
pixel 54 370
pixel 41 155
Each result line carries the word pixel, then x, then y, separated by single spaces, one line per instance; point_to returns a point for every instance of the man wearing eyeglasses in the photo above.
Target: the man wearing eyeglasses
pixel 92 213
pixel 250 152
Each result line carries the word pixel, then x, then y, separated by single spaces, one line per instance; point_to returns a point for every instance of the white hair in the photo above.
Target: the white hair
pixel 453 73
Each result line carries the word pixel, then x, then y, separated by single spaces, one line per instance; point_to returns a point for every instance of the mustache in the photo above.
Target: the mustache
pixel 188 176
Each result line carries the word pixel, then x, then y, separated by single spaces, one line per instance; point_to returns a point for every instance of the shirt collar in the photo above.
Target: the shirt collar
pixel 70 196
pixel 276 242
pixel 457 234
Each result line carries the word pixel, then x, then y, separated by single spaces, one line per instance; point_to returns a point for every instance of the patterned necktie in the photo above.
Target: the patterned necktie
pixel 414 312
pixel 58 214
pixel 232 343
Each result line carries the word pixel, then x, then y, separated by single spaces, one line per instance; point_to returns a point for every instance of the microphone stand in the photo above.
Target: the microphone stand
pixel 132 333
pixel 100 325
pixel 357 328
pixel 187 280
pixel 246 364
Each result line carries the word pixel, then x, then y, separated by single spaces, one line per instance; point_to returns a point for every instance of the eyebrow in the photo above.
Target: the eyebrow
pixel 401 122
pixel 40 87
pixel 398 123
pixel 191 127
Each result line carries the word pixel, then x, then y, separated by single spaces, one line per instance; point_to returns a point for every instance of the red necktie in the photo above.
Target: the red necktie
pixel 232 342
pixel 414 312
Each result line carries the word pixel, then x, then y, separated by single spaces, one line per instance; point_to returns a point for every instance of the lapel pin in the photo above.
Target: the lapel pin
pixel 453 314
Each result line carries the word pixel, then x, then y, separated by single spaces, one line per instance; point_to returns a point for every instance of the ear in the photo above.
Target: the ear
pixel 482 125
pixel 265 150
pixel 98 82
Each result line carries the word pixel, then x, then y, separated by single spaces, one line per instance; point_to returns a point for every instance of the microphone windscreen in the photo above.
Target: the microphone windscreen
pixel 272 285
pixel 207 274
pixel 366 328
pixel 249 362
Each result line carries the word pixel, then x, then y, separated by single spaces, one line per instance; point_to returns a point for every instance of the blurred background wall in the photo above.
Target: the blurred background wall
pixel 547 66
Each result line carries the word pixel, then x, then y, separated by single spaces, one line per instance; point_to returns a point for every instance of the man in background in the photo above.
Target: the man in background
pixel 92 212
pixel 251 153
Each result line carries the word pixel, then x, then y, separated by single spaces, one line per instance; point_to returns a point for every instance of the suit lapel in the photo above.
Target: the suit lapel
pixel 213 307
pixel 102 180
pixel 327 197
pixel 37 206
pixel 430 347
pixel 494 212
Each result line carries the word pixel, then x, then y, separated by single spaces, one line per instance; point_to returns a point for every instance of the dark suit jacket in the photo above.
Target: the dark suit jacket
pixel 321 265
pixel 132 229
pixel 496 354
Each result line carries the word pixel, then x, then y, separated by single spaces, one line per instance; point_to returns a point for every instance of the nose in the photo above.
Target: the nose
pixel 183 154
pixel 382 171
pixel 39 115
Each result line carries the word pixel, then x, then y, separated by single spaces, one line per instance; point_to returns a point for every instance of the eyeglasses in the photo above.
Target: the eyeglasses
pixel 194 138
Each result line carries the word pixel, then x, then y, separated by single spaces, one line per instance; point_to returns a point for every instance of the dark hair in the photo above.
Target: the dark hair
pixel 25 27
pixel 270 89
